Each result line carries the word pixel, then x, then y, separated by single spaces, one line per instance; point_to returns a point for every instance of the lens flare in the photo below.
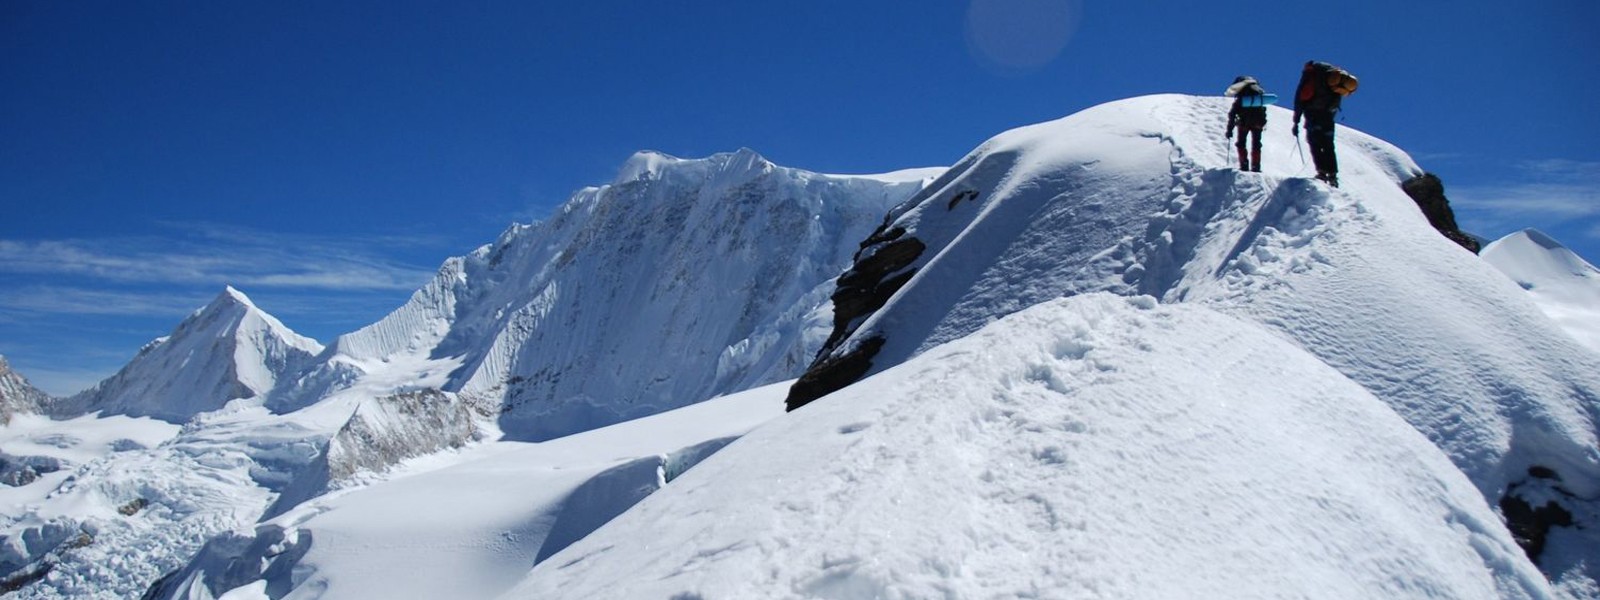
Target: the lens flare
pixel 1016 36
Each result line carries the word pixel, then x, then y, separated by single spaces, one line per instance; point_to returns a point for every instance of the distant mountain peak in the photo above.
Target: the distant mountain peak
pixel 233 294
pixel 227 350
pixel 16 394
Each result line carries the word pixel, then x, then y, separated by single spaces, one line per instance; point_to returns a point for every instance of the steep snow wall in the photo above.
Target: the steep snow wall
pixel 721 264
pixel 1140 197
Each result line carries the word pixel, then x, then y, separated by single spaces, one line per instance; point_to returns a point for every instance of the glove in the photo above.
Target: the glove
pixel 1229 134
pixel 1295 130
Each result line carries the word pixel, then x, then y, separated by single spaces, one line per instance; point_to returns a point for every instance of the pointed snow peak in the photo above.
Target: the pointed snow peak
pixel 229 349
pixel 230 302
pixel 236 295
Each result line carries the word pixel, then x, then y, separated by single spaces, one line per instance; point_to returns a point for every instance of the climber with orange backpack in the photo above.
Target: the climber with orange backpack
pixel 1322 87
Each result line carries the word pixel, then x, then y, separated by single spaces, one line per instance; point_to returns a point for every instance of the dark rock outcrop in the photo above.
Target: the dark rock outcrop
pixel 1428 192
pixel 881 268
pixel 1531 525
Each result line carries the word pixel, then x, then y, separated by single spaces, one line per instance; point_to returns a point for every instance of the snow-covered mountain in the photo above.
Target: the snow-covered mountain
pixel 1091 358
pixel 226 351
pixel 16 394
pixel 1566 287
pixel 723 264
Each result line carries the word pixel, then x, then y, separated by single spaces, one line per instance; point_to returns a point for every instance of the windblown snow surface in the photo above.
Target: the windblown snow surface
pixel 1093 447
pixel 1566 287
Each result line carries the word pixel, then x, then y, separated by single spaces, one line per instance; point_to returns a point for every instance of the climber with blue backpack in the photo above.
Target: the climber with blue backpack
pixel 1322 87
pixel 1249 114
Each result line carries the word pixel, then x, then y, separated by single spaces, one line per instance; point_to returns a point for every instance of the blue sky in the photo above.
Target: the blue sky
pixel 325 157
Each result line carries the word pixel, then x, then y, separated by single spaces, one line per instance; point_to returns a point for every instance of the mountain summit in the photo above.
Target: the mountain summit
pixel 225 351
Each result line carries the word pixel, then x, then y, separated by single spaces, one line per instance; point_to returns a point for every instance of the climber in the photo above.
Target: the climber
pixel 1322 87
pixel 1249 114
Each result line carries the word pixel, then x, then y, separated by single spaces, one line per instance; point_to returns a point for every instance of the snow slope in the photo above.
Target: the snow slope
pixel 228 350
pixel 721 263
pixel 1566 287
pixel 147 494
pixel 467 524
pixel 1141 196
pixel 1089 447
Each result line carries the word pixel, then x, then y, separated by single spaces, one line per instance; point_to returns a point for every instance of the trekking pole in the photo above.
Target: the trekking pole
pixel 1301 152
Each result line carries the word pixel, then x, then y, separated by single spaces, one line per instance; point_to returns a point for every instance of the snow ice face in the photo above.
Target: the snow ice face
pixel 723 264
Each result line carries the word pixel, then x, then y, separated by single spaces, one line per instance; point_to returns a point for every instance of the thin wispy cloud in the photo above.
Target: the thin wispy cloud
pixel 1544 192
pixel 214 256
pixel 55 299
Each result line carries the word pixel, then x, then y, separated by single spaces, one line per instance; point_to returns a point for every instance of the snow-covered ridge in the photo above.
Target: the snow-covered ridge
pixel 1088 447
pixel 1141 196
pixel 226 351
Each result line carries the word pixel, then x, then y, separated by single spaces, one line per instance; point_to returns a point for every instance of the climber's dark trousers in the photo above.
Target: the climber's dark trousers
pixel 1319 135
pixel 1250 161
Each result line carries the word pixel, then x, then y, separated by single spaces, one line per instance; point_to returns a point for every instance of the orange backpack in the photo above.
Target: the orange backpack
pixel 1342 82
